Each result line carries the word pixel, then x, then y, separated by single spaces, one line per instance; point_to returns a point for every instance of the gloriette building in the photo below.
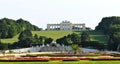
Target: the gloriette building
pixel 66 25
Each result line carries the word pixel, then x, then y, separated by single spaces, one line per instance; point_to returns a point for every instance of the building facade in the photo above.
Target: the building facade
pixel 66 25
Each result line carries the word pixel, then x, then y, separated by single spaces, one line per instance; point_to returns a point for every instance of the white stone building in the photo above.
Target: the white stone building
pixel 66 25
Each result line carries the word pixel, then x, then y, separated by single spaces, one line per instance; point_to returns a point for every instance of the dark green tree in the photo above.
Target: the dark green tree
pixel 36 39
pixel 41 40
pixel 111 27
pixel 69 39
pixel 111 44
pixel 3 46
pixel 85 37
pixel 108 25
pixel 25 34
pixel 116 38
pixel 10 27
pixel 76 48
pixel 48 41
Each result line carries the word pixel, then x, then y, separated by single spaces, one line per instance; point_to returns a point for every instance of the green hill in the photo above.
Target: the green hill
pixel 10 28
pixel 95 36
pixel 53 34
pixel 98 36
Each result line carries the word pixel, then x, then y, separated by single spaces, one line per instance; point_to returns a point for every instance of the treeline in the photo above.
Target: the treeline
pixel 26 39
pixel 69 39
pixel 82 40
pixel 111 27
pixel 10 27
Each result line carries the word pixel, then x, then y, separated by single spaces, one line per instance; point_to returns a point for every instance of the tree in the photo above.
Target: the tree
pixel 10 27
pixel 76 48
pixel 114 28
pixel 41 40
pixel 36 39
pixel 3 46
pixel 25 39
pixel 28 42
pixel 27 25
pixel 60 41
pixel 116 37
pixel 25 34
pixel 75 38
pixel 10 33
pixel 85 37
pixel 111 27
pixel 3 30
pixel 48 41
pixel 110 44
pixel 97 45
pixel 107 23
pixel 69 39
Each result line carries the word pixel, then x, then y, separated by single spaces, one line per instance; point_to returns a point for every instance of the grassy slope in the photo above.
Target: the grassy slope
pixel 96 36
pixel 53 34
pixel 10 40
pixel 65 62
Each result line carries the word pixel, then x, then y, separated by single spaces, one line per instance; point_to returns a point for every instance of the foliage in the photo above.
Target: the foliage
pixel 48 40
pixel 27 40
pixel 82 39
pixel 10 27
pixel 111 27
pixel 85 37
pixel 108 23
pixel 94 35
pixel 42 40
pixel 76 48
pixel 3 46
pixel 26 25
pixel 114 41
pixel 25 34
pixel 69 39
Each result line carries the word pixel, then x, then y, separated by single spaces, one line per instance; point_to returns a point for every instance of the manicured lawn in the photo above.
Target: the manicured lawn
pixel 10 40
pixel 95 35
pixel 98 36
pixel 53 34
pixel 65 62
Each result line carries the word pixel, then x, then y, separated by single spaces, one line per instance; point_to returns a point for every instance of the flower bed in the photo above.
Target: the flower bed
pixel 70 59
pixel 86 58
pixel 106 58
pixel 64 58
pixel 32 58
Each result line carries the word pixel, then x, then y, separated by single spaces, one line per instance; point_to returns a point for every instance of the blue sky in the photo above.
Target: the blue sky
pixel 42 12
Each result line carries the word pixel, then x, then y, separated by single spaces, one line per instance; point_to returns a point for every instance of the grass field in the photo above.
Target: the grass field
pixel 98 36
pixel 10 40
pixel 65 62
pixel 95 36
pixel 53 34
